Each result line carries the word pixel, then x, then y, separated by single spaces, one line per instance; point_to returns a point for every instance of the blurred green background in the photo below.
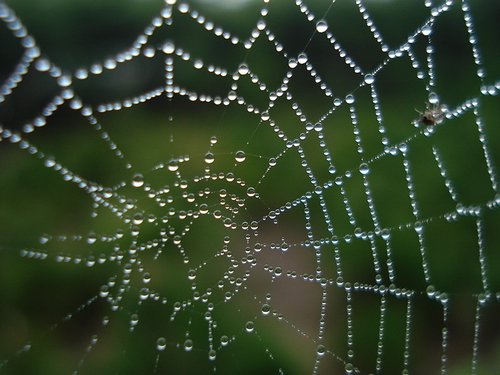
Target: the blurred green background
pixel 37 295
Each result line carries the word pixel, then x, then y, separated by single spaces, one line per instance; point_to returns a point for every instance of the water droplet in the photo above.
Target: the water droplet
pixel 386 234
pixel 349 368
pixel 191 274
pixel 169 47
pixel 42 65
pixel 209 158
pixel 212 354
pixel 364 169
pixel 443 297
pixel 224 340
pixel 104 292
pixel 433 98
pixel 138 218
pixel 482 299
pixel 243 69
pixel 137 180
pixel 249 326
pixel 183 7
pixel 369 79
pixel 321 350
pixel 426 30
pixel 64 81
pixel 161 343
pixel 318 127
pixel 173 165
pixel 266 309
pixel 240 156
pixel 134 320
pixel 419 227
pixel 302 59
pixel 144 294
pixel 321 26
pixel 431 291
pixel 203 208
pixel 188 345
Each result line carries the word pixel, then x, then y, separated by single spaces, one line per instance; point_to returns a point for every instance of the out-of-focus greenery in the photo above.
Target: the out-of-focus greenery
pixel 37 295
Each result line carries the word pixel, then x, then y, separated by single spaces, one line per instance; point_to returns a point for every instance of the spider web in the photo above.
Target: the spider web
pixel 278 207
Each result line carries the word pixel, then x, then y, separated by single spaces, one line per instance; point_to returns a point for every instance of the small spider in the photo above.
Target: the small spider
pixel 434 114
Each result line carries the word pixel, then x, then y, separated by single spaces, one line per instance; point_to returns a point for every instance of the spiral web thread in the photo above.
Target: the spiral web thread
pixel 227 210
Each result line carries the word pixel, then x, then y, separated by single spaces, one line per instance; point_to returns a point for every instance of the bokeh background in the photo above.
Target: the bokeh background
pixel 36 295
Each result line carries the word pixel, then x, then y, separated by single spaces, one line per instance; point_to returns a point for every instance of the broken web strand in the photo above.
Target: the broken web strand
pixel 181 92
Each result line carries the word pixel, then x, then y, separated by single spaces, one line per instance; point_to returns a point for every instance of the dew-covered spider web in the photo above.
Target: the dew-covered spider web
pixel 289 186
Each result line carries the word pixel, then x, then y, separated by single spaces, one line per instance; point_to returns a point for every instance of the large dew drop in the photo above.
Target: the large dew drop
pixel 169 48
pixel 240 156
pixel 251 192
pixel 224 340
pixel 137 180
pixel 249 326
pixel 302 58
pixel 173 165
pixel 209 158
pixel 349 368
pixel 243 69
pixel 433 98
pixel 426 30
pixel 192 274
pixel 42 65
pixel 364 169
pixel 321 26
pixel 369 79
pixel 161 344
pixel 138 218
pixel 188 345
pixel 266 309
